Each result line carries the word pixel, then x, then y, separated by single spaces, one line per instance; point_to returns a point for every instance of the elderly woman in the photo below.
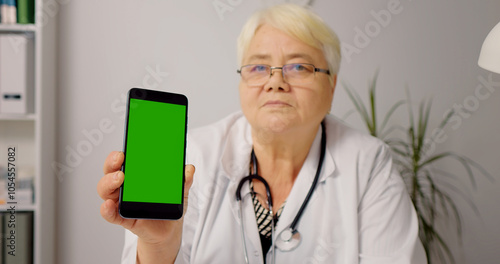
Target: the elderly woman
pixel 336 197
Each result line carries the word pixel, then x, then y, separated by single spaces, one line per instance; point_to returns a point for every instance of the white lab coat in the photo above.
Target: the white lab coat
pixel 360 211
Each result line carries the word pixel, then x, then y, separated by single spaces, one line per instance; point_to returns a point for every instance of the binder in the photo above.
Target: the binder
pixel 12 11
pixel 16 73
pixel 4 9
pixel 8 11
pixel 26 11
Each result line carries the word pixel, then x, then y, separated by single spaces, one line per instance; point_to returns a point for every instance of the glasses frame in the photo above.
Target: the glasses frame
pixel 271 68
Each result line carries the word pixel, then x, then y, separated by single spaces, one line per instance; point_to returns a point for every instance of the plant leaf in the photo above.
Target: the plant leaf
pixel 389 114
pixel 358 104
pixel 372 104
pixel 463 161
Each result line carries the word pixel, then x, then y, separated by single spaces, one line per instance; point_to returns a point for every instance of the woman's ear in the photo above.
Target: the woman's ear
pixel 333 82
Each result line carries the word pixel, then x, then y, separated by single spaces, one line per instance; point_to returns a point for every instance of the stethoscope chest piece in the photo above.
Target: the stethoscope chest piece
pixel 288 240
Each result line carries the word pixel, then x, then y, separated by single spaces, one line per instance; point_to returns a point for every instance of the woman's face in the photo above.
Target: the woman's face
pixel 277 106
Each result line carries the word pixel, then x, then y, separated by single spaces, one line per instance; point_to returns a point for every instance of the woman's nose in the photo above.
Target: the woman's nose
pixel 277 81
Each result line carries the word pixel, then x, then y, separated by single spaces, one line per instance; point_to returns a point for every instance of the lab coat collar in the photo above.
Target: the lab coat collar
pixel 236 154
pixel 235 158
pixel 311 164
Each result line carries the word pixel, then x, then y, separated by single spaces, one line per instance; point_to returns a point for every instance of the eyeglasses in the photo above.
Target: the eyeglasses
pixel 294 73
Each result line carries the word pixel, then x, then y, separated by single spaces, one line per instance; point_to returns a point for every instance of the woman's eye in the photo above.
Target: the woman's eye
pixel 259 68
pixel 298 67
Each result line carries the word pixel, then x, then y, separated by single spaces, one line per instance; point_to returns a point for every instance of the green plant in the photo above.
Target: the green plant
pixel 415 159
pixel 369 114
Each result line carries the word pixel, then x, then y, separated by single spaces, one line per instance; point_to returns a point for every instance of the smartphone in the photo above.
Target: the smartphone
pixel 155 151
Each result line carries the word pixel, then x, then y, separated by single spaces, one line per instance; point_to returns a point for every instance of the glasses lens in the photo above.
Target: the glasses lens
pixel 255 74
pixel 298 73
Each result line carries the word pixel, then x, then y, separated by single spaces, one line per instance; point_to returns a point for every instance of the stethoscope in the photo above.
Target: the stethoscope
pixel 289 239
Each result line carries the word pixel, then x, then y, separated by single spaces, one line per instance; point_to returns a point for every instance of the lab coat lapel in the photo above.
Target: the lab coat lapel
pixel 235 161
pixel 236 154
pixel 303 183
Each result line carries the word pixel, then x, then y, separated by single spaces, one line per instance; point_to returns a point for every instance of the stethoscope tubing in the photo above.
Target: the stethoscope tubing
pixel 295 221
pixel 293 226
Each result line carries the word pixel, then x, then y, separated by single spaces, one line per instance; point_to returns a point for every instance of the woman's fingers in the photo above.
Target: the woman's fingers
pixel 148 230
pixel 108 189
pixel 108 186
pixel 113 162
pixel 109 211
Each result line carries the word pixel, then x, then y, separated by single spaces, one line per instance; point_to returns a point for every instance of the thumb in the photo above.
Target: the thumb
pixel 189 174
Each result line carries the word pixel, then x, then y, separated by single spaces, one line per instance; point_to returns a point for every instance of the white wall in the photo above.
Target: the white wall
pixel 107 47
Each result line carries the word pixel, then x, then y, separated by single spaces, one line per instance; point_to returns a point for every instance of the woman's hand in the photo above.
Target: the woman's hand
pixel 158 239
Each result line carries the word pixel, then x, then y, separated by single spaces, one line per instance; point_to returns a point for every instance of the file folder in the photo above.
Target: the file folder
pixel 16 74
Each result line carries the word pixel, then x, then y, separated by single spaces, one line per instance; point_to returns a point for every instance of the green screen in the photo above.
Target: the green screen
pixel 154 154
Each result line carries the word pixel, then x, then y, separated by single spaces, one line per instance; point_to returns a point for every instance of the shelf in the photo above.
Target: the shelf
pixel 14 117
pixel 33 134
pixel 17 28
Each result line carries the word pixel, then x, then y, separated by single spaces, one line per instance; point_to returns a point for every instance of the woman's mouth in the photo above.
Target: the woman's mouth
pixel 276 103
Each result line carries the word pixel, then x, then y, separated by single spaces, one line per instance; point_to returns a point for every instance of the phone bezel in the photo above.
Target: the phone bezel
pixel 147 210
